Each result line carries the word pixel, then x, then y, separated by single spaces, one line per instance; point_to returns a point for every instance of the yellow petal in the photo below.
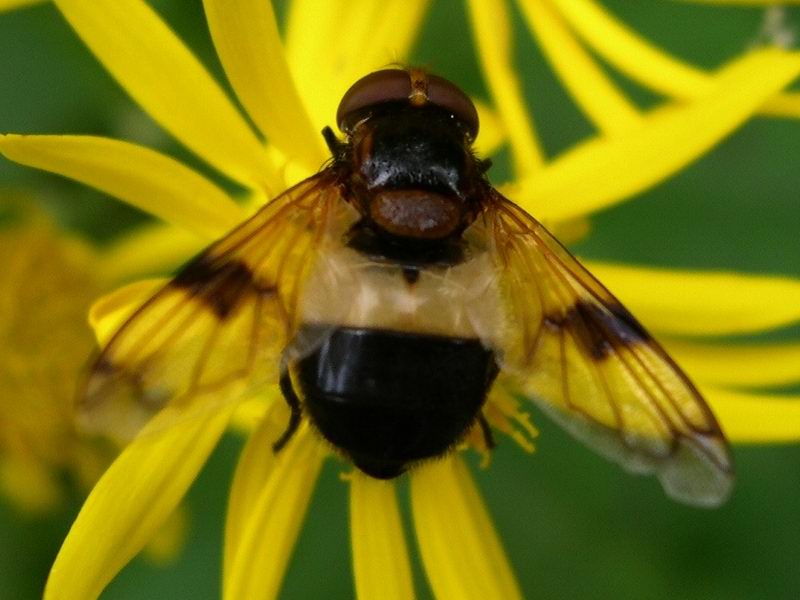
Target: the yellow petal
pixel 271 529
pixel 163 76
pixel 256 465
pixel 308 31
pixel 460 549
pixel 491 135
pixel 783 105
pixel 331 44
pixel 604 171
pixel 740 365
pixel 130 502
pixel 150 181
pixel 491 27
pixel 380 556
pixel 755 418
pixel 311 32
pixel 167 543
pixel 250 413
pixel 601 100
pixel 246 37
pixel 11 4
pixel 646 63
pixel 386 32
pixel 702 302
pixel 109 312
pixel 154 248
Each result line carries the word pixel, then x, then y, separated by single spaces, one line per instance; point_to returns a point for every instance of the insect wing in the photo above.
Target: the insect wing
pixel 217 330
pixel 586 361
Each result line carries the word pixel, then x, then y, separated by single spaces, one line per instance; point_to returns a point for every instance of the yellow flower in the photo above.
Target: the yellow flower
pixel 49 281
pixel 45 289
pixel 290 91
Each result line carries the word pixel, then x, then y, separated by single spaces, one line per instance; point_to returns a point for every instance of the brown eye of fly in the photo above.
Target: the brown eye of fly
pixel 391 85
pixel 376 88
pixel 450 97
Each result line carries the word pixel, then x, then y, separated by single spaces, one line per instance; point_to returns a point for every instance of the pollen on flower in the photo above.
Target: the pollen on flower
pixel 476 440
pixel 502 412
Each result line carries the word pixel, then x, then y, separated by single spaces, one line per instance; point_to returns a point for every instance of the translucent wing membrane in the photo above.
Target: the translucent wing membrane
pixel 217 330
pixel 576 351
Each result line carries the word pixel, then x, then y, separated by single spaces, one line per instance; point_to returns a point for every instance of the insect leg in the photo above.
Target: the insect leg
pixel 334 145
pixel 294 404
pixel 488 438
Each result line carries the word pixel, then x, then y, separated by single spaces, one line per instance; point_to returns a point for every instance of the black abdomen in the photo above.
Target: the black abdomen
pixel 388 398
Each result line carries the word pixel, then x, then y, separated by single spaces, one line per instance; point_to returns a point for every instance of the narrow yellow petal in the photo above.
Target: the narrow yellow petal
pixel 755 418
pixel 271 529
pixel 676 302
pixel 367 36
pixel 311 32
pixel 332 44
pixel 130 502
pixel 491 135
pixel 604 171
pixel 387 36
pixel 740 365
pixel 148 180
pixel 491 26
pixel 153 248
pixel 783 105
pixel 246 37
pixel 646 63
pixel 109 312
pixel 250 413
pixel 598 97
pixel 380 556
pixel 168 541
pixel 256 465
pixel 460 549
pixel 12 4
pixel 163 76
pixel 630 53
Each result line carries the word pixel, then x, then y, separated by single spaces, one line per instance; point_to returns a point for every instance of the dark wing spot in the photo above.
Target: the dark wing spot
pixel 103 366
pixel 220 284
pixel 600 329
pixel 632 330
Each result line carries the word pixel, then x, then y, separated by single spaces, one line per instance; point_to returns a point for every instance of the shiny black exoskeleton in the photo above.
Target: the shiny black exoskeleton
pixel 391 398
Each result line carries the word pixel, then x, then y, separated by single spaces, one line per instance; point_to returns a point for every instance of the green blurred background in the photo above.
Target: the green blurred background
pixel 574 526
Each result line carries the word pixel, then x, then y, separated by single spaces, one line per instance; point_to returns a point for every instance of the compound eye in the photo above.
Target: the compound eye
pixel 376 88
pixel 392 85
pixel 449 96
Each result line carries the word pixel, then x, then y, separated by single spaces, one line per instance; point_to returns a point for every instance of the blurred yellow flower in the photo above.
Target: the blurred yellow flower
pixel 290 90
pixel 46 286
pixel 49 281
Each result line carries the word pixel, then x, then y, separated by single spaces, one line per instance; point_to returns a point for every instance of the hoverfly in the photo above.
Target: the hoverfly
pixel 389 292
